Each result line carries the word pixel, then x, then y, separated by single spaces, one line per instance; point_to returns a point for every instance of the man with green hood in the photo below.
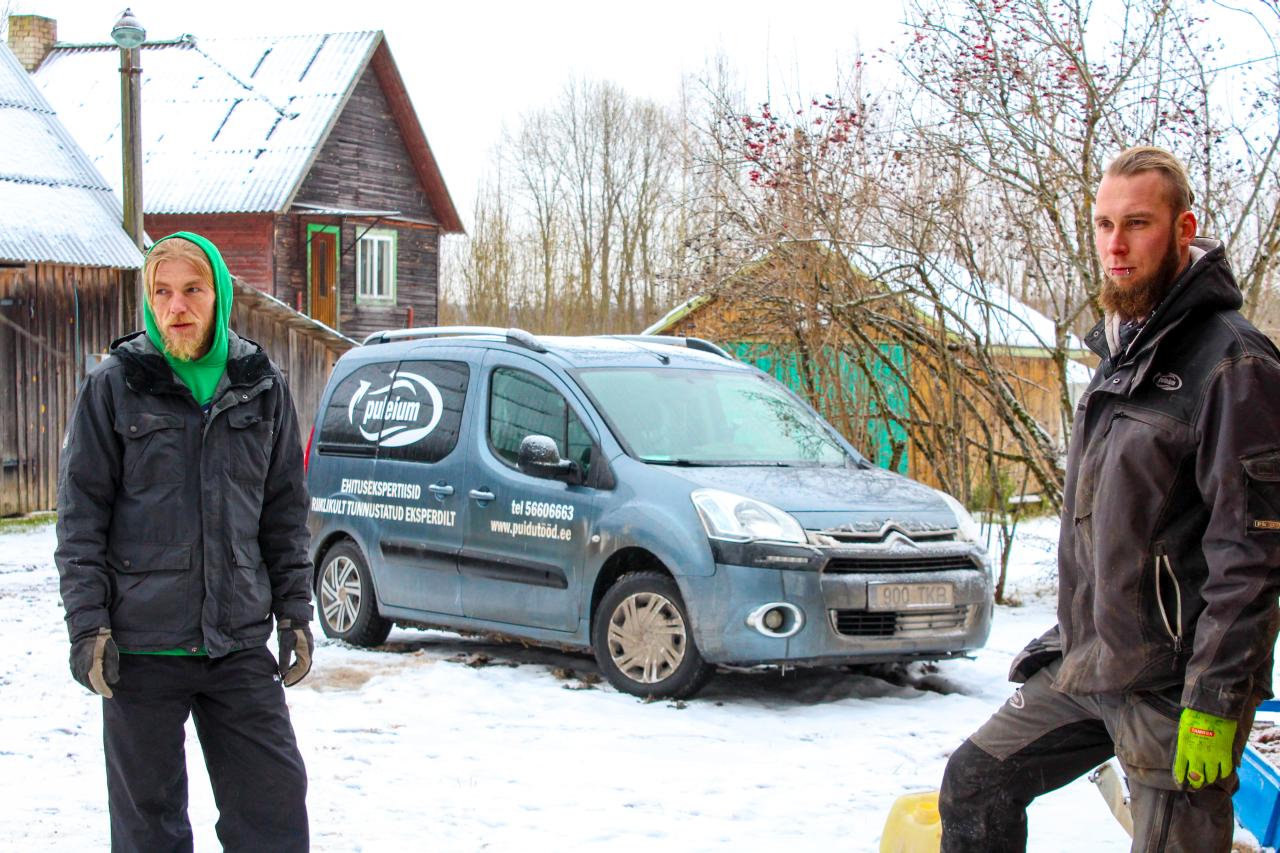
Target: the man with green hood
pixel 182 532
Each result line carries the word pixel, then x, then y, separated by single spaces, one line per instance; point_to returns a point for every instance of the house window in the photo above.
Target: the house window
pixel 376 266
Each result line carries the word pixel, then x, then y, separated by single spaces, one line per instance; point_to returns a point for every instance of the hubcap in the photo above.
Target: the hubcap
pixel 646 637
pixel 340 593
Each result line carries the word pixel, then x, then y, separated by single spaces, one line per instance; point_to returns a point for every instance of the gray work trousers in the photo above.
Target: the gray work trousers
pixel 1041 739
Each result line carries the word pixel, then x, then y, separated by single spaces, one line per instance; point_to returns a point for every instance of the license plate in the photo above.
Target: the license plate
pixel 909 596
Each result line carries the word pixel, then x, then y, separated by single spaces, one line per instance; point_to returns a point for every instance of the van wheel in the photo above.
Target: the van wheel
pixel 642 640
pixel 348 607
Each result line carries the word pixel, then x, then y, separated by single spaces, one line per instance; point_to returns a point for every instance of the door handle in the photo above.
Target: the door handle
pixel 480 495
pixel 440 490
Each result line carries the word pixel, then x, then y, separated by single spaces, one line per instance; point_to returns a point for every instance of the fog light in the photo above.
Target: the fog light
pixel 776 619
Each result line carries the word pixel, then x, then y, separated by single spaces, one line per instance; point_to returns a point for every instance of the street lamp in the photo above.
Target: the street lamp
pixel 129 35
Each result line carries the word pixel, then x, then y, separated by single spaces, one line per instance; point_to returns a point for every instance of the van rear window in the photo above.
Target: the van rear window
pixel 408 410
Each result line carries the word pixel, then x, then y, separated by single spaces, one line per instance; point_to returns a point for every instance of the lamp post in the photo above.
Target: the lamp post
pixel 129 35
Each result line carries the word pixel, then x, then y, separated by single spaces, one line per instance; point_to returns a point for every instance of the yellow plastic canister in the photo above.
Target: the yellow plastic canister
pixel 914 825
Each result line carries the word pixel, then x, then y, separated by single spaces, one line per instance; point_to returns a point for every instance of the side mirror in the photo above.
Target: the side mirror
pixel 539 457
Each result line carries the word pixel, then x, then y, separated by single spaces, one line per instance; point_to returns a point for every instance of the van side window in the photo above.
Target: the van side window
pixel 412 429
pixel 348 426
pixel 521 404
pixel 399 410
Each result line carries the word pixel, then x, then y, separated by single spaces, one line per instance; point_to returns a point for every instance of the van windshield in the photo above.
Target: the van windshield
pixel 710 417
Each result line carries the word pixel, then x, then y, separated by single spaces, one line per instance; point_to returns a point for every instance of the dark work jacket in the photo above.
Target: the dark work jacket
pixel 1169 561
pixel 178 529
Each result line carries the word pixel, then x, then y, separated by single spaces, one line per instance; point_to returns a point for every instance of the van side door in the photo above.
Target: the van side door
pixel 522 560
pixel 415 492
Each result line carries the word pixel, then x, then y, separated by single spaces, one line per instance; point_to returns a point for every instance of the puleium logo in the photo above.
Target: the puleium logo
pixel 398 407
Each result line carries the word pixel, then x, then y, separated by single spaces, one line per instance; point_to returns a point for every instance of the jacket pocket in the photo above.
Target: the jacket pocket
pixel 134 557
pixel 1168 596
pixel 1262 493
pixel 152 587
pixel 248 553
pixel 251 437
pixel 252 605
pixel 153 447
pixel 1145 737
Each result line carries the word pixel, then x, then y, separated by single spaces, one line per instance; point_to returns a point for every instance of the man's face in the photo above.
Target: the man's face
pixel 185 306
pixel 1142 243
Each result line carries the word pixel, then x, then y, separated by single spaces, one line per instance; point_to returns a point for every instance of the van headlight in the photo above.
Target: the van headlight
pixel 967 529
pixel 728 516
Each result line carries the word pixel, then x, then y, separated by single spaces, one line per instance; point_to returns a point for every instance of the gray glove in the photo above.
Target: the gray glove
pixel 296 646
pixel 95 662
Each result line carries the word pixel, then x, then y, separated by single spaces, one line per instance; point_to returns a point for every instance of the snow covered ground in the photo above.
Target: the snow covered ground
pixel 445 743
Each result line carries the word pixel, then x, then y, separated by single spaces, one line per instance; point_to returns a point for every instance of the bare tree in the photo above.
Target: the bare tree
pixel 584 190
pixel 1028 98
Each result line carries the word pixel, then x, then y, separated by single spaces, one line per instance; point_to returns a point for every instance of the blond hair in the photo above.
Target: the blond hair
pixel 1148 158
pixel 175 249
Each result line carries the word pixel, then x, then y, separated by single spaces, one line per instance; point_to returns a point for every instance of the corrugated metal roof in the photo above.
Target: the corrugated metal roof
pixel 54 205
pixel 228 125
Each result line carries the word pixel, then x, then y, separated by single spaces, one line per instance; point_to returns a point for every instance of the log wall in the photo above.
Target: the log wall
pixel 55 321
pixel 365 165
pixel 304 356
pixel 244 239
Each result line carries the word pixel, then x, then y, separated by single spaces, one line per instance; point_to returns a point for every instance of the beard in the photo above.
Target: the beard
pixel 1137 298
pixel 187 348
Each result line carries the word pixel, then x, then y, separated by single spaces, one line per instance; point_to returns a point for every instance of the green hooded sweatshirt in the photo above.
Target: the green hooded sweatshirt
pixel 201 375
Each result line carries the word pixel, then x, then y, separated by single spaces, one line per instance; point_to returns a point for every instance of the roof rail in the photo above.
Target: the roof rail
pixel 518 337
pixel 672 341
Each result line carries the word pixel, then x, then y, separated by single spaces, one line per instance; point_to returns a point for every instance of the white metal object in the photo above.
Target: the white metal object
pixel 1113 791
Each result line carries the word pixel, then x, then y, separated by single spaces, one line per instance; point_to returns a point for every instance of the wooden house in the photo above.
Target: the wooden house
pixel 775 314
pixel 65 262
pixel 301 157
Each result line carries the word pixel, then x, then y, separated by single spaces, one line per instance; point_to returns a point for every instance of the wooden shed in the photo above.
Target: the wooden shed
pixel 65 262
pixel 301 157
pixel 775 314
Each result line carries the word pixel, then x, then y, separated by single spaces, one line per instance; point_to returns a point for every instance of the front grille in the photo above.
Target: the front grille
pixel 872 623
pixel 906 563
pixel 875 536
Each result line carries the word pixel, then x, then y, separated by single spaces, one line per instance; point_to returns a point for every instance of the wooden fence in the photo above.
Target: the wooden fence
pixel 304 350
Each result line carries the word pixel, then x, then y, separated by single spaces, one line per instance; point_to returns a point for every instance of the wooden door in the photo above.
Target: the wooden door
pixel 324 277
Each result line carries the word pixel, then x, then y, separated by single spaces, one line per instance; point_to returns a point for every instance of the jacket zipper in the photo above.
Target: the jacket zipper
pixel 1163 565
pixel 1165 810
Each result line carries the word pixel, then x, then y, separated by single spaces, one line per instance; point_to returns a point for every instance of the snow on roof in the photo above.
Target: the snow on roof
pixel 676 314
pixel 54 205
pixel 228 125
pixel 971 307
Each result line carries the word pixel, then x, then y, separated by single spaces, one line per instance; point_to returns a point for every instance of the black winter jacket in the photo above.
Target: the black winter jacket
pixel 178 529
pixel 1169 561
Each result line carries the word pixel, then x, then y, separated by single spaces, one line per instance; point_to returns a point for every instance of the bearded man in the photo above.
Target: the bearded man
pixel 181 532
pixel 1170 542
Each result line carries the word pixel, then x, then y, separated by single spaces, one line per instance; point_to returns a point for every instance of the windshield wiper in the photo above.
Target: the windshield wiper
pixel 681 463
pixel 725 463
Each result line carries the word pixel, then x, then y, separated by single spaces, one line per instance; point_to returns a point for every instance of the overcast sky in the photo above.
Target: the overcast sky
pixel 471 66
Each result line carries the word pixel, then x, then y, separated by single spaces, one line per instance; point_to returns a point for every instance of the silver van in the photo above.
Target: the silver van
pixel 648 499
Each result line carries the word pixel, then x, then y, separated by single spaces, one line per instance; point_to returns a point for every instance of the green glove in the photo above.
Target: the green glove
pixel 1204 748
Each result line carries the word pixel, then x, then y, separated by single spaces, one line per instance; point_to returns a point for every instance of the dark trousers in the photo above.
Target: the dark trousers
pixel 259 782
pixel 1042 739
